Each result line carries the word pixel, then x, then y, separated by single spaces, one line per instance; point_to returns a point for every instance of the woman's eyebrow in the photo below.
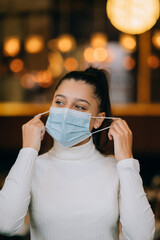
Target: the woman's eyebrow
pixel 60 95
pixel 82 100
pixel 77 99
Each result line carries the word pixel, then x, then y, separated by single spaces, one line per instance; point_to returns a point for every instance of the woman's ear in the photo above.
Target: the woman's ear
pixel 100 120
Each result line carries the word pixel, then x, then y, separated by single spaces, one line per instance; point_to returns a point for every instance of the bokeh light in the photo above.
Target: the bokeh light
pixel 71 64
pixel 128 42
pixel 16 65
pixel 153 62
pixel 98 40
pixel 66 43
pixel 128 63
pixel 44 78
pixel 133 17
pixel 56 63
pixel 28 81
pixel 89 55
pixel 100 54
pixel 11 46
pixel 34 44
pixel 156 39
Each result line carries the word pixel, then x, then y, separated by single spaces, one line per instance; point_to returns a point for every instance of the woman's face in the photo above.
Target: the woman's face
pixel 79 96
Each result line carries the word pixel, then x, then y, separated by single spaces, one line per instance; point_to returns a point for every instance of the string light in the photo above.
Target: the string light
pixel 34 44
pixel 71 64
pixel 156 39
pixel 16 65
pixel 153 61
pixel 128 63
pixel 100 54
pixel 98 40
pixel 11 46
pixel 28 81
pixel 56 63
pixel 66 43
pixel 128 42
pixel 44 78
pixel 89 55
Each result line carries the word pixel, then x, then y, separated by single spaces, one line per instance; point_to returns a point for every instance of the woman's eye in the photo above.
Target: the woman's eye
pixel 59 103
pixel 80 107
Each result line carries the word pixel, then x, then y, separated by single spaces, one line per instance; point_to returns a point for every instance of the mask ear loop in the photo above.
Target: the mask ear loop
pixel 100 130
pixel 40 114
pixel 107 117
pixel 105 127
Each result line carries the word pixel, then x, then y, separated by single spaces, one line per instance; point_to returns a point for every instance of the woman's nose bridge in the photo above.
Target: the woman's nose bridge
pixel 69 105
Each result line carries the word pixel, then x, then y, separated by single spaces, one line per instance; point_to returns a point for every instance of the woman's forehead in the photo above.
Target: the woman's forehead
pixel 74 87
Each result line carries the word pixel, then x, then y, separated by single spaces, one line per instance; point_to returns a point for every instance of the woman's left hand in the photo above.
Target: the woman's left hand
pixel 121 134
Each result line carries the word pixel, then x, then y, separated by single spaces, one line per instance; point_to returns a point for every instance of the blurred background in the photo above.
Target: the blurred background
pixel 41 40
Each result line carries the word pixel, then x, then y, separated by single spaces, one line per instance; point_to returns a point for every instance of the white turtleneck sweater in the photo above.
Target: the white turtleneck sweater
pixel 75 194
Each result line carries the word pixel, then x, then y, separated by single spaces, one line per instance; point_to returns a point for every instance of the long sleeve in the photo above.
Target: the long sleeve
pixel 136 216
pixel 15 194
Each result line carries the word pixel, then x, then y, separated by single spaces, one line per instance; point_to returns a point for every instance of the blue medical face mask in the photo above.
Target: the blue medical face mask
pixel 69 127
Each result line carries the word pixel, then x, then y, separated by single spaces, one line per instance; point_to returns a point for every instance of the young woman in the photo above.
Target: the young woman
pixel 74 191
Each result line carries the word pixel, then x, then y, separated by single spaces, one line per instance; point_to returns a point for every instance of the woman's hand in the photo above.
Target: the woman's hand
pixel 33 133
pixel 120 133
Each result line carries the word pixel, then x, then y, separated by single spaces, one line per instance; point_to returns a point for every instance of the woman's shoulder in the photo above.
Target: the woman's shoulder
pixel 43 157
pixel 109 165
pixel 109 159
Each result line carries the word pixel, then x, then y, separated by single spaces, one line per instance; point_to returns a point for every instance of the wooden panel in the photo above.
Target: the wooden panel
pixel 143 84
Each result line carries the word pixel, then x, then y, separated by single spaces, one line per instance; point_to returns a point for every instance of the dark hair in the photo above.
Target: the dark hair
pixel 98 78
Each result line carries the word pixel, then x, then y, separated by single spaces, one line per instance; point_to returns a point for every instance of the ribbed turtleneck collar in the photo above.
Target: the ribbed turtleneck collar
pixel 82 152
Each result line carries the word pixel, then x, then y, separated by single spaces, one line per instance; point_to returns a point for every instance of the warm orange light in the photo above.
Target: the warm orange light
pixel 71 64
pixel 100 54
pixel 128 42
pixel 28 81
pixel 16 65
pixel 34 44
pixel 66 43
pixel 133 16
pixel 44 78
pixel 156 39
pixel 98 40
pixel 56 64
pixel 11 46
pixel 153 61
pixel 89 55
pixel 128 63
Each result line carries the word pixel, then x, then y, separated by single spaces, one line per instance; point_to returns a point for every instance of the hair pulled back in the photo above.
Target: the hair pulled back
pixel 98 79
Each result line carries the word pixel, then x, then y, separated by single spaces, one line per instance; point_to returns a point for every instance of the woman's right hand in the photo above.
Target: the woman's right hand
pixel 33 133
